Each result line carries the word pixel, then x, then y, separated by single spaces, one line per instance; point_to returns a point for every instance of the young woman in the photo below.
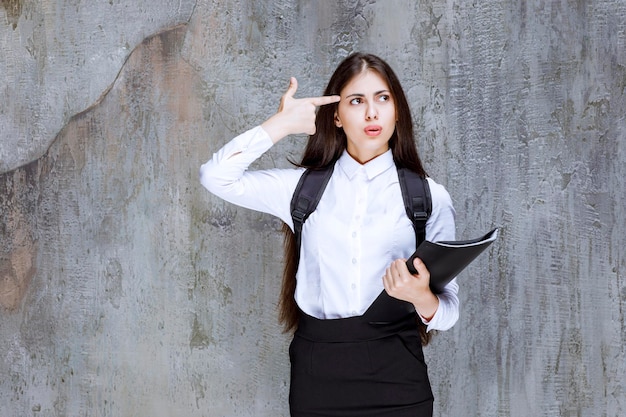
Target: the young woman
pixel 360 318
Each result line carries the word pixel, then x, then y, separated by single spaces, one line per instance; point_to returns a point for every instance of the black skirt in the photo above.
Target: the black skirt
pixel 365 366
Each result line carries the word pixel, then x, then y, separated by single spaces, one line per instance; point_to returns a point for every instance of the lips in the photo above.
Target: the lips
pixel 373 130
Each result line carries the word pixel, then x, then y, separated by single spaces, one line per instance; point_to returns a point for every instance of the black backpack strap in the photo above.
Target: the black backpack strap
pixel 307 195
pixel 417 201
pixel 308 192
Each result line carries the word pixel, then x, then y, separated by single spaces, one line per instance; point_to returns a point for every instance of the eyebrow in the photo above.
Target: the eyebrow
pixel 363 95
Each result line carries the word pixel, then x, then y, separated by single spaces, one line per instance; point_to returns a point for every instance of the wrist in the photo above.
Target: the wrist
pixel 426 305
pixel 275 128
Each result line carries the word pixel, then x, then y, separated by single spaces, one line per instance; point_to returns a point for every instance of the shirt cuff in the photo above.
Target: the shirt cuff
pixel 447 312
pixel 434 318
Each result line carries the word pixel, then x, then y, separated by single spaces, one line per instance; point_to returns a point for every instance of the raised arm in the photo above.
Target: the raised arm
pixel 226 173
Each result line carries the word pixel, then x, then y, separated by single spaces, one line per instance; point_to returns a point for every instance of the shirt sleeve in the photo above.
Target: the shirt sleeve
pixel 441 226
pixel 226 175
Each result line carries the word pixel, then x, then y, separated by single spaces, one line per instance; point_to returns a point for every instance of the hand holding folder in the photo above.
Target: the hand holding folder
pixel 446 259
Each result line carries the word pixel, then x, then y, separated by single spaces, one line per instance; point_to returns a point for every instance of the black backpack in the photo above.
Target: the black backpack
pixel 415 193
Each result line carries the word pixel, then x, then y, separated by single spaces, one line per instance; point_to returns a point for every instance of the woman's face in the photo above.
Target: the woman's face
pixel 367 114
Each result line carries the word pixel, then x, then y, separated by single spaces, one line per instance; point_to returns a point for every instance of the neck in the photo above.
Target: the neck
pixel 363 157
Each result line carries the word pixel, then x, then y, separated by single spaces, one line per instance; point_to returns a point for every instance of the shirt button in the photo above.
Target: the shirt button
pixel 353 286
pixel 353 234
pixel 353 261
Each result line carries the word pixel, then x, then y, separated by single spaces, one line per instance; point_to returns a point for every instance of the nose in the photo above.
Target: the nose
pixel 371 113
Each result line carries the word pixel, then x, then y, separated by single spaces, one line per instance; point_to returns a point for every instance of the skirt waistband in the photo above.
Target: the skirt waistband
pixel 385 317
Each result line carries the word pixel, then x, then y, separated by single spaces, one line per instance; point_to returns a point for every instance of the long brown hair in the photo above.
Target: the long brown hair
pixel 327 144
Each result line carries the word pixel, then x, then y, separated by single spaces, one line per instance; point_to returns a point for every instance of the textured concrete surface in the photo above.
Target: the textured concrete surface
pixel 126 289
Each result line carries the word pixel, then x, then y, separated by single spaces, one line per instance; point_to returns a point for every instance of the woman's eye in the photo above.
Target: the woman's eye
pixel 356 101
pixel 383 97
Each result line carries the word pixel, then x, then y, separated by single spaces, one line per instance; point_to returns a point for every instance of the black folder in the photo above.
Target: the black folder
pixel 445 260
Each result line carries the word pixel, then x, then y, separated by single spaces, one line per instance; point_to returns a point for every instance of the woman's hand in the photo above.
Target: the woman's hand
pixel 400 284
pixel 294 115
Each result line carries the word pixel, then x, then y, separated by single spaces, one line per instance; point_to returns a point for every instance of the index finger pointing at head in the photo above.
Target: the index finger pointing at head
pixel 324 100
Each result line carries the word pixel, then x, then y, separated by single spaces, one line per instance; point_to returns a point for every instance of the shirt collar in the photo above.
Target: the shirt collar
pixel 372 168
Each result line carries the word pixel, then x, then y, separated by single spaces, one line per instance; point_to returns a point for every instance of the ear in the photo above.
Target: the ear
pixel 337 121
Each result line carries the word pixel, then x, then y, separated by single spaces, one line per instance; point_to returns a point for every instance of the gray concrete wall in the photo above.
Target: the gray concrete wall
pixel 127 290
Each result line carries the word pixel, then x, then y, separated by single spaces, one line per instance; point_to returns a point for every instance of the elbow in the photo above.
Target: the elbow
pixel 207 177
pixel 216 181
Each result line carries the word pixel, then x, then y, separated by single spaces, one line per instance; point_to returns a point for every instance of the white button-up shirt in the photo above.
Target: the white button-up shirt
pixel 359 227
